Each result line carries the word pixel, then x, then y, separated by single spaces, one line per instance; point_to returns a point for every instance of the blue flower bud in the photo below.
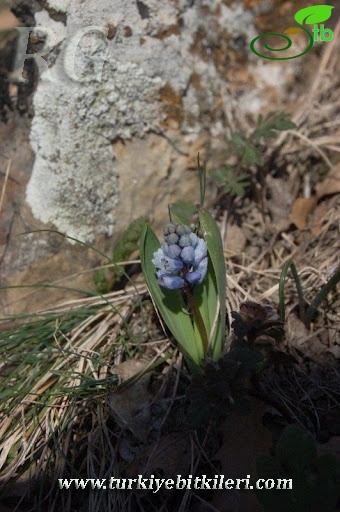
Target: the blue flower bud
pixel 194 239
pixel 184 241
pixel 180 230
pixel 171 265
pixel 200 251
pixel 171 239
pixel 188 255
pixel 165 264
pixel 173 251
pixel 157 258
pixel 197 275
pixel 171 282
pixel 193 277
pixel 169 228
pixel 202 269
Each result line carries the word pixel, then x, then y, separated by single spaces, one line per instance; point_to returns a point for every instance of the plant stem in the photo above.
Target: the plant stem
pixel 284 271
pixel 331 283
pixel 202 173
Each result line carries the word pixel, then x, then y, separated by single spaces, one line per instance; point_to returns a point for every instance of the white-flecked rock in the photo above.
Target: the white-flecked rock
pixel 117 129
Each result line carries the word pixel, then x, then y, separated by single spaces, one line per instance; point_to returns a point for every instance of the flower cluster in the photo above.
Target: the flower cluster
pixel 183 256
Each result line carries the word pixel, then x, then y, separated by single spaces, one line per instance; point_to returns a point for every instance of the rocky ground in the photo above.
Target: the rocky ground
pixel 292 213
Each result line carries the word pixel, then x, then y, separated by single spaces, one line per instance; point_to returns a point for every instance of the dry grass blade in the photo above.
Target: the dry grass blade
pixel 3 190
pixel 68 359
pixel 320 118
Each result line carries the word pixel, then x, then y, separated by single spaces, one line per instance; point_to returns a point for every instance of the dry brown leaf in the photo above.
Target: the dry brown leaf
pixel 297 331
pixel 302 207
pixel 319 216
pixel 280 203
pixel 335 350
pixel 331 184
pixel 235 239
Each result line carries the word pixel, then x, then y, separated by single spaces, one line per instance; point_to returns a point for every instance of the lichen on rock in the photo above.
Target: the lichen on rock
pixel 144 69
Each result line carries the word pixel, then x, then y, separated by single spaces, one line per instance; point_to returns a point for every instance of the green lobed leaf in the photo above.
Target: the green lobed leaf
pixel 268 127
pixel 213 303
pixel 249 153
pixel 224 173
pixel 239 186
pixel 170 303
pixel 234 181
pixel 252 155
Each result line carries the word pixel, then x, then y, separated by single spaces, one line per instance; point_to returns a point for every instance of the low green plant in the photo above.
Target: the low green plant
pixel 235 179
pixel 306 312
pixel 189 287
pixel 125 246
pixel 220 388
pixel 224 385
pixel 308 482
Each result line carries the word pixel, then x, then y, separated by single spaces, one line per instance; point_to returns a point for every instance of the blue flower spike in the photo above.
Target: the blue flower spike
pixel 182 257
pixel 186 278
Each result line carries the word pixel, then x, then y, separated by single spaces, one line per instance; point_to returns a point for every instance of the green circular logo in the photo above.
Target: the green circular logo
pixel 288 45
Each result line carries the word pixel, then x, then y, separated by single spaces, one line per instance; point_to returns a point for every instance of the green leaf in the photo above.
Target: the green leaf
pixel 234 181
pixel 239 186
pixel 206 297
pixel 314 14
pixel 183 211
pixel 252 155
pixel 170 303
pixel 212 304
pixel 268 127
pixel 249 357
pixel 221 174
pixel 239 143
